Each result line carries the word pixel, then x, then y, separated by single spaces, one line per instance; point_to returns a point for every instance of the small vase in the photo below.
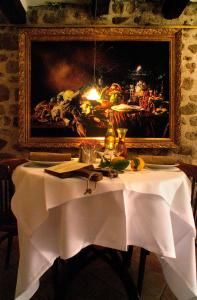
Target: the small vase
pixel 121 149
pixel 87 155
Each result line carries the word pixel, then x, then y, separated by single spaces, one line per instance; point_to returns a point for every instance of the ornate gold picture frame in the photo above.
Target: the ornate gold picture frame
pixel 137 74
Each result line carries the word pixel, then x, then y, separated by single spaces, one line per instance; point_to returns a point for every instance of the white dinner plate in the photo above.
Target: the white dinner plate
pixel 45 163
pixel 156 166
pixel 125 107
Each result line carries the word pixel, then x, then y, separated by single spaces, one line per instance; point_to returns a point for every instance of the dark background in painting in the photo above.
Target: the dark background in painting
pixel 58 66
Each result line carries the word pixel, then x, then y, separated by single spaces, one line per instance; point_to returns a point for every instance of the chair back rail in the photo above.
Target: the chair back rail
pixel 4 194
pixel 6 189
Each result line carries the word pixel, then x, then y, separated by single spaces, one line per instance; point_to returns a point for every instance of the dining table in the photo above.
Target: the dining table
pixel 149 208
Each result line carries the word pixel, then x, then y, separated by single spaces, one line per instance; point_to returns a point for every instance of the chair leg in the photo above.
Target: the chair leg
pixel 56 272
pixel 126 257
pixel 143 255
pixel 9 248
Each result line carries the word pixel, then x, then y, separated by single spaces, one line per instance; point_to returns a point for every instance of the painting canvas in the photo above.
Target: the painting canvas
pixel 135 76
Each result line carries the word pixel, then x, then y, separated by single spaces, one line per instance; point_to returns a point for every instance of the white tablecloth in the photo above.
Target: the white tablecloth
pixel 150 209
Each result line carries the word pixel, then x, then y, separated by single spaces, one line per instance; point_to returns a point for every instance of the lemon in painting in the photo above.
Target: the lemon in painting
pixel 137 164
pixel 67 94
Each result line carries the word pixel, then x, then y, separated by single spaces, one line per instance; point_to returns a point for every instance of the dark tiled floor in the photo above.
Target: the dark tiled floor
pixel 96 281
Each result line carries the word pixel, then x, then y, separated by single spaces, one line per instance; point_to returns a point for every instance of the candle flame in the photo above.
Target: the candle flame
pixel 92 94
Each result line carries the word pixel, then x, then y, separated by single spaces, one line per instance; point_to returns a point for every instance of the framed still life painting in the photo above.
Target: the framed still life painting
pixel 134 73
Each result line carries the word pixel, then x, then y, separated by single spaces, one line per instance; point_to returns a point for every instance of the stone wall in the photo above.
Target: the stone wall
pixel 120 12
pixel 189 91
pixel 8 89
pixel 145 14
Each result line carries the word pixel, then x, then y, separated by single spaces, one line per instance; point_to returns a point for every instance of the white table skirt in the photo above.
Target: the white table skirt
pixel 150 209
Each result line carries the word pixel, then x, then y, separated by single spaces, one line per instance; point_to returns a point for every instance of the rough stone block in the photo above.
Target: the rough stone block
pixel 4 92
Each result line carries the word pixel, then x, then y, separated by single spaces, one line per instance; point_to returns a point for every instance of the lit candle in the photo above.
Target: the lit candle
pixel 92 94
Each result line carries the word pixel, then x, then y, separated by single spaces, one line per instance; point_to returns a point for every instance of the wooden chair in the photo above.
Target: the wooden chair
pixel 8 225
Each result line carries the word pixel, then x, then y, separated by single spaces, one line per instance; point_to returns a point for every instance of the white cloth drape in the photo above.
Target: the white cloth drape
pixel 150 209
